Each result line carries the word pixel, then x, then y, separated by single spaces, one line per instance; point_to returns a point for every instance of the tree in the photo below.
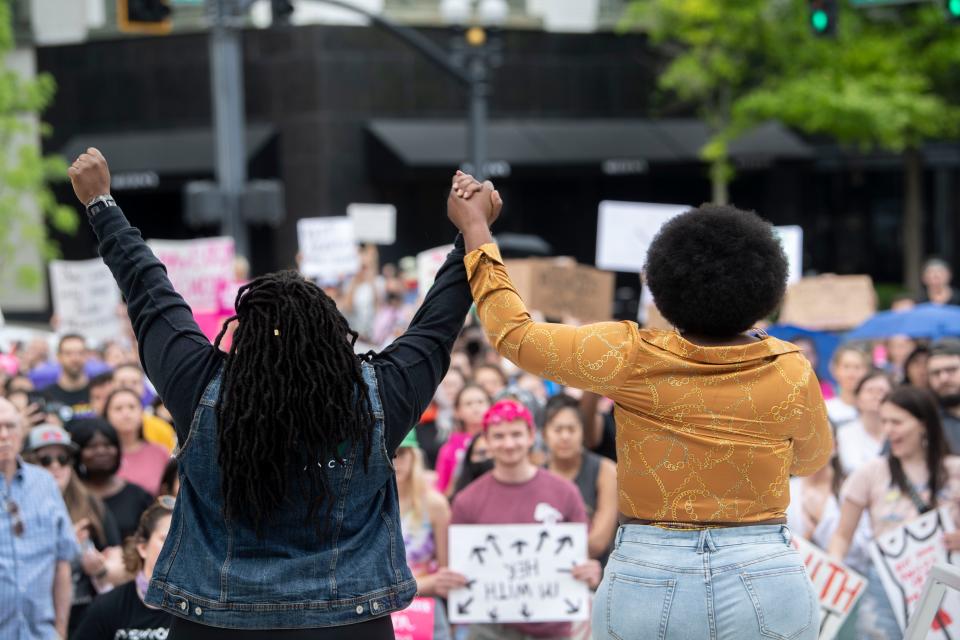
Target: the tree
pixel 25 174
pixel 884 82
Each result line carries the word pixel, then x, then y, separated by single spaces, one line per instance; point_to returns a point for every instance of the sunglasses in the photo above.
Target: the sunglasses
pixel 63 459
pixel 15 519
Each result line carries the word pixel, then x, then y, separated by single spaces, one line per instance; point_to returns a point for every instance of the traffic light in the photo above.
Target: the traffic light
pixel 823 16
pixel 953 10
pixel 144 16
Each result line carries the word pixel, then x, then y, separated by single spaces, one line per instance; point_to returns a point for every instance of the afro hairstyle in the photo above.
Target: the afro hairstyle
pixel 716 270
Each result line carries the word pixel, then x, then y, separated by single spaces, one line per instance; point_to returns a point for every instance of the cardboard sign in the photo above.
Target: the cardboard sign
pixel 829 302
pixel 559 287
pixel 904 557
pixel 199 269
pixel 428 264
pixel 85 298
pixel 328 247
pixel 374 223
pixel 838 587
pixel 791 237
pixel 626 229
pixel 416 621
pixel 518 573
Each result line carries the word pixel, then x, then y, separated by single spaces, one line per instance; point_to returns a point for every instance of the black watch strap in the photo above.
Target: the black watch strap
pixel 100 203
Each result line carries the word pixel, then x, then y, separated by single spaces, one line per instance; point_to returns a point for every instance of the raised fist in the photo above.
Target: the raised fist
pixel 90 176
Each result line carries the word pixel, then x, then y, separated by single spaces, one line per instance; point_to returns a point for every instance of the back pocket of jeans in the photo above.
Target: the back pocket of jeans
pixel 637 605
pixel 783 601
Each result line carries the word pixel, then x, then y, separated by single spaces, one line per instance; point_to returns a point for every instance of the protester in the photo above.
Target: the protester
pixel 814 510
pixel 862 439
pixel 437 422
pixel 936 278
pixel 122 613
pixel 943 374
pixel 424 517
pixel 917 475
pixel 517 492
pixel 170 480
pixel 471 404
pixel 848 366
pixel 594 476
pixel 808 347
pixel 37 542
pixel 711 421
pixel 101 386
pixel 97 467
pixel 72 386
pixel 898 348
pixel 286 443
pixel 490 378
pixel 915 368
pixel 141 462
pixel 476 462
pixel 99 565
pixel 155 429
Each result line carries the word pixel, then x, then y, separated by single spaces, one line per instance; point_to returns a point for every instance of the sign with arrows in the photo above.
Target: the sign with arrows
pixel 518 573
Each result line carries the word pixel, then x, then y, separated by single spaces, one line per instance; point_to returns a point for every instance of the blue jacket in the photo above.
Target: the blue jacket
pixel 215 571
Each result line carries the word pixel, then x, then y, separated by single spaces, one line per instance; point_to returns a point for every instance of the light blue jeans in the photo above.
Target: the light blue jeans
pixel 734 583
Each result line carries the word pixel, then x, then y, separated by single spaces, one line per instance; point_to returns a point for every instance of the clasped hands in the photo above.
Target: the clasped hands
pixel 473 206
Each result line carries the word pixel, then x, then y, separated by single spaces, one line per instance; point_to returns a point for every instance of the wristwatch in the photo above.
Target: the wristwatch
pixel 100 203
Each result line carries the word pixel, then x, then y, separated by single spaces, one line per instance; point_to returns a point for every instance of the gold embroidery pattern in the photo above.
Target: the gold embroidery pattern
pixel 704 434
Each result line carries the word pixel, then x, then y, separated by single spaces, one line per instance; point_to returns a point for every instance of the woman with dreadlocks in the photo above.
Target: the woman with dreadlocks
pixel 287 519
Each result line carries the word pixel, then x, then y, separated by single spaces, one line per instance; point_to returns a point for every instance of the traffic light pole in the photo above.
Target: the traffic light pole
pixel 226 85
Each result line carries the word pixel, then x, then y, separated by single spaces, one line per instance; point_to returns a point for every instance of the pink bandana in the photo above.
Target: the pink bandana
pixel 507 411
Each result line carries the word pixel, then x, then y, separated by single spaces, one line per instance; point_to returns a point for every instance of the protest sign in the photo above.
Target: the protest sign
pixel 416 621
pixel 791 237
pixel 428 263
pixel 328 247
pixel 559 287
pixel 199 269
pixel 829 302
pixel 85 298
pixel 903 558
pixel 626 229
pixel 518 573
pixel 838 587
pixel 373 223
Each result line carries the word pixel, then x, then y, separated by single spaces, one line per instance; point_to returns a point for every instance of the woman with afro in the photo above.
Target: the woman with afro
pixel 712 418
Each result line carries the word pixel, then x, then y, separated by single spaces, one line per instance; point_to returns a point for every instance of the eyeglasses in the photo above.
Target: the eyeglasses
pixel 63 459
pixel 15 519
pixel 167 502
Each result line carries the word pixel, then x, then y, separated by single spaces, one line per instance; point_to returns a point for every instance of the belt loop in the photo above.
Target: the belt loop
pixel 616 542
pixel 701 540
pixel 787 534
pixel 708 538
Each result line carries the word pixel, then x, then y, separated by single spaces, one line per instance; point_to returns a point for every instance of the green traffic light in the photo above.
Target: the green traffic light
pixel 954 8
pixel 820 20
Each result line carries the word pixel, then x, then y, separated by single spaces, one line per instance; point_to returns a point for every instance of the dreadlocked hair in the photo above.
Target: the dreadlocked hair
pixel 292 395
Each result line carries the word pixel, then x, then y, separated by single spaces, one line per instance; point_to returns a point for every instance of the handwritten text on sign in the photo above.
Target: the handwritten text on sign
pixel 838 587
pixel 199 269
pixel 518 573
pixel 903 558
pixel 328 248
pixel 85 298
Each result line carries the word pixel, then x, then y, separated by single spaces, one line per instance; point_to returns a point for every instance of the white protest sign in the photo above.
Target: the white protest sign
pixel 328 247
pixel 625 231
pixel 903 558
pixel 85 298
pixel 199 269
pixel 373 223
pixel 791 237
pixel 428 264
pixel 518 573
pixel 838 587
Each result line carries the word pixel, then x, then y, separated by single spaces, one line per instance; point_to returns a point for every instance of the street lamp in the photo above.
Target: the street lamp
pixel 477 50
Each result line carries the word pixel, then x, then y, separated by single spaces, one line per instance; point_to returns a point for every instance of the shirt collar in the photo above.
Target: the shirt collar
pixel 674 343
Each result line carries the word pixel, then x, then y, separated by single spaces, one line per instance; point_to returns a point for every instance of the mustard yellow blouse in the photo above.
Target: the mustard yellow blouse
pixel 704 434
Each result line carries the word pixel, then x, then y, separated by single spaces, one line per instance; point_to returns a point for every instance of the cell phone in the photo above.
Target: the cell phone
pixel 37 398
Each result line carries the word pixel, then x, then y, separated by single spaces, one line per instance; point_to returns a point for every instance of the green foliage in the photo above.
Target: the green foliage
pixel 887 80
pixel 25 174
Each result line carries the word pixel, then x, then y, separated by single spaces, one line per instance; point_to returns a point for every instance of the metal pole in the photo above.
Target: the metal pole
pixel 226 85
pixel 477 135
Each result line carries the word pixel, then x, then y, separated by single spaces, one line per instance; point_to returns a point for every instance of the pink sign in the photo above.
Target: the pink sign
pixel 416 621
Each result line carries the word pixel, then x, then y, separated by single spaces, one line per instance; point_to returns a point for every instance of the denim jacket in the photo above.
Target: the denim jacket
pixel 291 578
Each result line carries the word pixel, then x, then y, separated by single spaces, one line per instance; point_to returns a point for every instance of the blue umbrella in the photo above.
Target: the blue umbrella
pixel 923 321
pixel 824 342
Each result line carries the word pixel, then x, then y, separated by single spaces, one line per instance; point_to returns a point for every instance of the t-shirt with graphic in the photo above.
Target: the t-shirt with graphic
pixel 121 615
pixel 76 403
pixel 544 498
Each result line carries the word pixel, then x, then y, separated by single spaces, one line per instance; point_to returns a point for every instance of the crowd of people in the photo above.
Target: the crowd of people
pixel 90 482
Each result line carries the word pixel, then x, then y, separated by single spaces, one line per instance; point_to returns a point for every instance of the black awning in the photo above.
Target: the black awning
pixel 164 151
pixel 442 143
